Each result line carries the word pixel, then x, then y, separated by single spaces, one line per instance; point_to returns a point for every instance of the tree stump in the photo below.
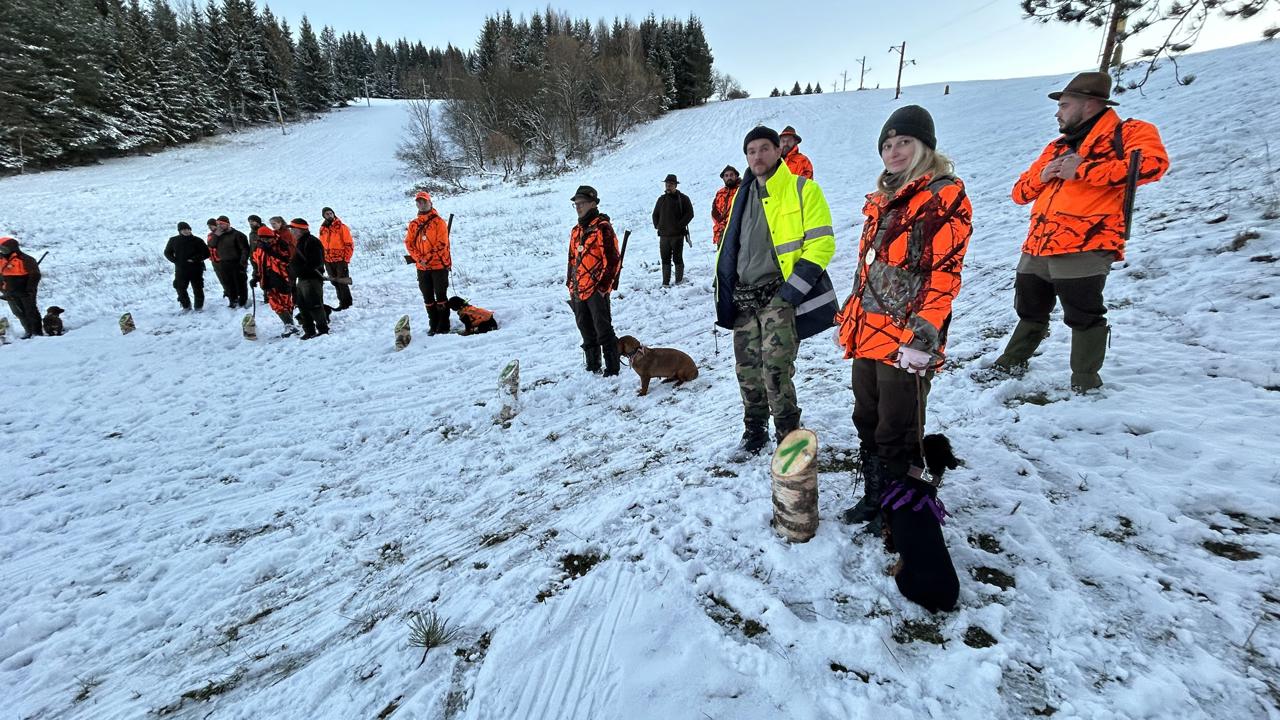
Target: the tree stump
pixel 249 327
pixel 403 334
pixel 795 486
pixel 509 390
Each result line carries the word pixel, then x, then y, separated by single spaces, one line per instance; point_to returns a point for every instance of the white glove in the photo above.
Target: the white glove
pixel 914 361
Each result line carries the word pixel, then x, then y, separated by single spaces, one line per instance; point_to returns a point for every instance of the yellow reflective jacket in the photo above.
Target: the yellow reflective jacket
pixel 800 225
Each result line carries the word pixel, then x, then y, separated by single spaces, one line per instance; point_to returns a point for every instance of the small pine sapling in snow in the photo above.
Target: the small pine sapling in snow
pixel 429 631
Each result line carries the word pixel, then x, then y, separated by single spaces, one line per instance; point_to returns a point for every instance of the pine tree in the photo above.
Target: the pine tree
pixel 329 53
pixel 795 89
pixel 775 93
pixel 808 89
pixel 309 81
pixel 817 88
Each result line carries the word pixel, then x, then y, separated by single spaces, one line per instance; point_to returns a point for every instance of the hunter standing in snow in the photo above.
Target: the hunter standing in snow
pixel 427 243
pixel 671 217
pixel 307 269
pixel 19 282
pixel 271 272
pixel 233 260
pixel 894 323
pixel 338 247
pixel 797 162
pixel 187 253
pixel 771 284
pixel 722 202
pixel 1078 224
pixel 593 267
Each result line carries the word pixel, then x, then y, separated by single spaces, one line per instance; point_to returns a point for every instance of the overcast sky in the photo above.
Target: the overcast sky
pixel 766 46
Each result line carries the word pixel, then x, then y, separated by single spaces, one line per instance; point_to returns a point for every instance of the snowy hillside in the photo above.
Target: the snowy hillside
pixel 198 526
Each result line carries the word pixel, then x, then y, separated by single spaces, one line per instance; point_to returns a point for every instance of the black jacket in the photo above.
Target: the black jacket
pixel 232 246
pixel 672 214
pixel 187 253
pixel 308 259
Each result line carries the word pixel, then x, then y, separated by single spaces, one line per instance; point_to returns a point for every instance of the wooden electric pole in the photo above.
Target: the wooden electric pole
pixel 279 113
pixel 1111 47
pixel 367 102
pixel 902 61
pixel 844 77
pixel 863 74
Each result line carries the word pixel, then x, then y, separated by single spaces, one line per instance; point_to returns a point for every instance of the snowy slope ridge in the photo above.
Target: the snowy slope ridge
pixel 198 526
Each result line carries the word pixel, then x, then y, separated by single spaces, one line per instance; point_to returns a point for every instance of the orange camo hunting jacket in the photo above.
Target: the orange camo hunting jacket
pixel 427 241
pixel 1087 213
pixel 720 208
pixel 909 261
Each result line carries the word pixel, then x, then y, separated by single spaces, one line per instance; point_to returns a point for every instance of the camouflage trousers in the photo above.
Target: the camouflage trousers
pixel 764 348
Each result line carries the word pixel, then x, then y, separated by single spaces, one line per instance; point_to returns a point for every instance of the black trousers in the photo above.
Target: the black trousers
pixel 887 412
pixel 23 305
pixel 1081 298
pixel 234 281
pixel 672 249
pixel 434 285
pixel 595 321
pixel 339 270
pixel 308 296
pixel 193 279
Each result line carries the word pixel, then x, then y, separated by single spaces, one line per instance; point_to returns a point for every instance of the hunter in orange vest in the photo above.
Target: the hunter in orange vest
pixel 427 243
pixel 335 236
pixel 1082 188
pixel 797 162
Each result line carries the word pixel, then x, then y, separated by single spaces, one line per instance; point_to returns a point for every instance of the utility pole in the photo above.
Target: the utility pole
pixel 863 73
pixel 367 102
pixel 1111 47
pixel 902 61
pixel 424 88
pixel 844 76
pixel 279 113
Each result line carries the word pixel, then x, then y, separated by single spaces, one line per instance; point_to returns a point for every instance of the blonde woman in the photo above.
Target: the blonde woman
pixel 894 324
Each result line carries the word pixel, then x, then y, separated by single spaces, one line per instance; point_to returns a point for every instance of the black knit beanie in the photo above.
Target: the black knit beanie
pixel 183 226
pixel 911 120
pixel 760 132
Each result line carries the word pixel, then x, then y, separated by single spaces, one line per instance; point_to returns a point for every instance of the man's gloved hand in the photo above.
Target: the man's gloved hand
pixel 253 283
pixel 408 260
pixel 913 360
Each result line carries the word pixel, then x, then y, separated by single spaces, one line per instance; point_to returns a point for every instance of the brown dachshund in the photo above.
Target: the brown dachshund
pixel 671 365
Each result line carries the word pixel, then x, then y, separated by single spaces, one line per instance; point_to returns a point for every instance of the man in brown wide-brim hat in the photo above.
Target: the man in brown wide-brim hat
pixel 1079 223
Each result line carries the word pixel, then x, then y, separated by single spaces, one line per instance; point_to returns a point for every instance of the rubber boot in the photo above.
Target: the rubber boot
pixel 592 353
pixel 612 362
pixel 1022 344
pixel 431 318
pixel 1088 350
pixel 666 276
pixel 869 506
pixel 289 328
pixel 884 476
pixel 442 318
pixel 679 274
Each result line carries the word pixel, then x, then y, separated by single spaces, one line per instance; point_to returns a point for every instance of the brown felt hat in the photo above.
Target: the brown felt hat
pixel 1095 85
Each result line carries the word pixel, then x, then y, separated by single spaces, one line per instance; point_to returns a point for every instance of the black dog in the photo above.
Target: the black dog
pixel 913 528
pixel 53 321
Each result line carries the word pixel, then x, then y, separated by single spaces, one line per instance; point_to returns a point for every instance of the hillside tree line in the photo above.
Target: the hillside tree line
pixel 543 91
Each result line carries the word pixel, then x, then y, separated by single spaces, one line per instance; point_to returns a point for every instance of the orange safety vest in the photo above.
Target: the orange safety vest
pixel 337 242
pixel 472 315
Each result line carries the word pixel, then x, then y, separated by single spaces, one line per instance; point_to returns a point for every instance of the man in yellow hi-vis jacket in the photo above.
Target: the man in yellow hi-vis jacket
pixel 772 287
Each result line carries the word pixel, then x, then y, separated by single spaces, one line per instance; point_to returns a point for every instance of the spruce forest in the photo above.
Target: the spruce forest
pixel 82 80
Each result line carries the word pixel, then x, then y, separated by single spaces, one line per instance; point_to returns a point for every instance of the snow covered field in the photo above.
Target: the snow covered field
pixel 198 526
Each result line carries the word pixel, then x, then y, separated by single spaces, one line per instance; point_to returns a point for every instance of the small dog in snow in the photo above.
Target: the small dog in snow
pixel 913 519
pixel 53 320
pixel 671 365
